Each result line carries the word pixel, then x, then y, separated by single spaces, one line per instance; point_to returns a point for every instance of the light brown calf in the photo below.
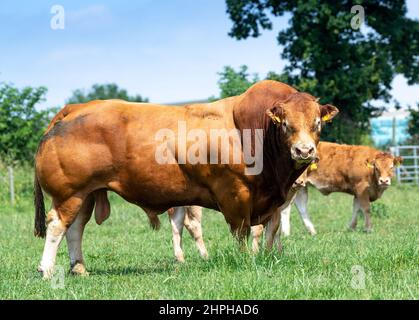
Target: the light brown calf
pixel 361 171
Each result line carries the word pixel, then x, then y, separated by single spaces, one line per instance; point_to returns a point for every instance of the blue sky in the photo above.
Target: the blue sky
pixel 168 51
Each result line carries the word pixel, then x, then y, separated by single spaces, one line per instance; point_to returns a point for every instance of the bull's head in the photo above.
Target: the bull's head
pixel 383 166
pixel 300 119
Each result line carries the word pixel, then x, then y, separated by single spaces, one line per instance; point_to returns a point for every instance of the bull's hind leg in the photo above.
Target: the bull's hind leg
pixel 177 221
pixel 74 237
pixel 193 225
pixel 58 220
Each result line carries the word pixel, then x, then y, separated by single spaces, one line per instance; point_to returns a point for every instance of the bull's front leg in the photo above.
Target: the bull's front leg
pixel 272 228
pixel 237 215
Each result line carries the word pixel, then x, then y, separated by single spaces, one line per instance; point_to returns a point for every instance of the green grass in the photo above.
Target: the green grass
pixel 127 260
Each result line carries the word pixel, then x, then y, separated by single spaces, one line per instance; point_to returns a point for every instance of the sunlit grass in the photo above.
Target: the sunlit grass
pixel 127 260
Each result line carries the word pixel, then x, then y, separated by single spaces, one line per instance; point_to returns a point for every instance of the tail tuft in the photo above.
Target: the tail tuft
pixel 40 226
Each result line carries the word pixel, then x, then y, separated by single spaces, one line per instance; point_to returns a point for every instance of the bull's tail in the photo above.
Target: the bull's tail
pixel 40 226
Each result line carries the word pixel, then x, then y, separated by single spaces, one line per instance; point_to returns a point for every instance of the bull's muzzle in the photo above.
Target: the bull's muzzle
pixel 303 152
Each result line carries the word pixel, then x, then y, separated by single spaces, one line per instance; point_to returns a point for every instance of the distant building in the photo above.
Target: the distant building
pixel 382 127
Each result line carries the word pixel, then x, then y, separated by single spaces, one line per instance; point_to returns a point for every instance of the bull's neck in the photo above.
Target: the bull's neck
pixel 279 172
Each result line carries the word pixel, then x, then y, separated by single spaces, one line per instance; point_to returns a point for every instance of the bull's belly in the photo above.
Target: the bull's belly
pixel 158 195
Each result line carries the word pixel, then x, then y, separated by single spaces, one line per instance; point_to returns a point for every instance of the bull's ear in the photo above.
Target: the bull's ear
pixel 275 115
pixel 328 112
pixel 397 161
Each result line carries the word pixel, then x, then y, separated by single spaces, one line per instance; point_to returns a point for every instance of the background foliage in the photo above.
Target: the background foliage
pixel 328 58
pixel 21 125
pixel 103 92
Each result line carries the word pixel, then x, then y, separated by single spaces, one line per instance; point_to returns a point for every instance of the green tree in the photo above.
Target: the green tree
pixel 103 92
pixel 21 125
pixel 346 66
pixel 413 127
pixel 233 83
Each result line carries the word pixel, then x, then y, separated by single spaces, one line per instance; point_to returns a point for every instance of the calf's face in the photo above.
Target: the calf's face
pixel 299 120
pixel 383 166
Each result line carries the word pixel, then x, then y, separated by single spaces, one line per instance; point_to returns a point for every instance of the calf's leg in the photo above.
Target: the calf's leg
pixel 355 211
pixel 301 201
pixel 256 234
pixel 285 221
pixel 364 202
pixel 193 224
pixel 177 221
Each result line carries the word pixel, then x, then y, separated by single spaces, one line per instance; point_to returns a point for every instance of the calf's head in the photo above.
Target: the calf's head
pixel 383 166
pixel 299 120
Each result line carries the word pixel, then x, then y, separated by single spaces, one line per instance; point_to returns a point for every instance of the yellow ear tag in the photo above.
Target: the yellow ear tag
pixel 313 166
pixel 326 118
pixel 398 164
pixel 276 119
pixel 369 165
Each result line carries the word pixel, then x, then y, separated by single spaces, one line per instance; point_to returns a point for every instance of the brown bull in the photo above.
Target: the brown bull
pixel 131 148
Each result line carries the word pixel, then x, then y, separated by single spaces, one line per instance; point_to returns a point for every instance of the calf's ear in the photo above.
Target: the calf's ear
pixel 397 161
pixel 328 112
pixel 370 163
pixel 275 114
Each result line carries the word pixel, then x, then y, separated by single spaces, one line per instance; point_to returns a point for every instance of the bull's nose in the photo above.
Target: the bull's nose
pixel 304 151
pixel 384 181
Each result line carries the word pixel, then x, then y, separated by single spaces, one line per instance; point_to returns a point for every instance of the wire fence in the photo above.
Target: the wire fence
pixel 7 180
pixel 408 172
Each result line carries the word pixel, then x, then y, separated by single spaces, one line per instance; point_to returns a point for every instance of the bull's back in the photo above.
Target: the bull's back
pixel 113 145
pixel 89 147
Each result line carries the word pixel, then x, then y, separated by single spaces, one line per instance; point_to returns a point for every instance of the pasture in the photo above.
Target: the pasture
pixel 127 260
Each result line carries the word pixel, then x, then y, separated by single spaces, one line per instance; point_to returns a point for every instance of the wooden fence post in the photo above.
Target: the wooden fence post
pixel 11 186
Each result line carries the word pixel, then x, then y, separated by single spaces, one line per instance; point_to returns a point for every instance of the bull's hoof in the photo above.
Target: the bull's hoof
pixel 351 229
pixel 79 270
pixel 368 230
pixel 46 273
pixel 312 232
pixel 204 255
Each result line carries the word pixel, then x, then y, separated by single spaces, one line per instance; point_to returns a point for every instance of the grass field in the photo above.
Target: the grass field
pixel 127 260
